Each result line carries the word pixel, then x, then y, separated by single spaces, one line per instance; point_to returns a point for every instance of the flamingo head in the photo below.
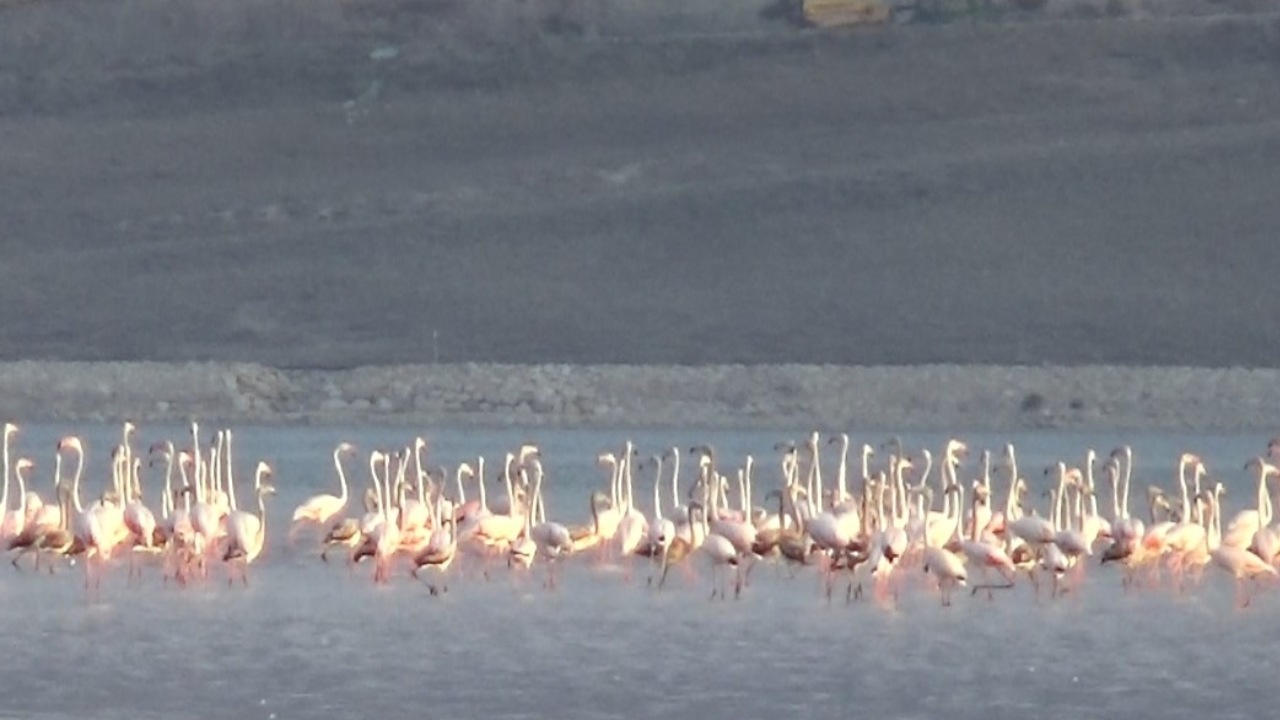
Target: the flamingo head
pixel 530 464
pixel 71 441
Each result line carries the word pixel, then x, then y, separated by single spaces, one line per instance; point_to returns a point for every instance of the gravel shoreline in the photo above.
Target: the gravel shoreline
pixel 727 396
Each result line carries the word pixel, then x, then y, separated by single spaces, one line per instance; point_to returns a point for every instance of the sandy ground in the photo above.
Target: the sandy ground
pixel 787 397
pixel 324 185
pixel 282 191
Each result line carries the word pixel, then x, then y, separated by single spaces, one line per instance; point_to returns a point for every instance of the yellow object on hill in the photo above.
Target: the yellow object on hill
pixel 834 13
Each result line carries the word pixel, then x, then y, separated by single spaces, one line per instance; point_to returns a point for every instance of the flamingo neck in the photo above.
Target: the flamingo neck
pixel 342 476
pixel 675 477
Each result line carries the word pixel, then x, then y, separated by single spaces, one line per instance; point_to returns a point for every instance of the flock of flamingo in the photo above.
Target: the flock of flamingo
pixel 880 531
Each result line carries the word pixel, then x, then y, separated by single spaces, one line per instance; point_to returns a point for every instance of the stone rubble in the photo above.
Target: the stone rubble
pixel 728 396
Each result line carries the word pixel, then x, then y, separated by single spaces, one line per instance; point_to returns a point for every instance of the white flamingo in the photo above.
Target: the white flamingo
pixel 946 567
pixel 321 509
pixel 14 520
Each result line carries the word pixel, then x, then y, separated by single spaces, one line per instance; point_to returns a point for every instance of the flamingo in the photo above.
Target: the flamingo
pixel 385 536
pixel 979 513
pixel 417 511
pixel 945 566
pixel 184 530
pixel 633 527
pixel 40 515
pixel 345 532
pixel 1187 541
pixel 1240 564
pixel 719 553
pixel 137 517
pixel 206 518
pixel 661 530
pixel 321 509
pixel 88 526
pixel 589 536
pixel 48 518
pixel 1245 524
pixel 986 555
pixel 439 553
pixel 554 540
pixel 13 520
pixel 824 527
pixel 176 524
pixel 59 540
pixel 27 533
pixel 607 520
pixel 247 532
pixel 737 529
pixel 1069 540
pixel 523 549
pixel 518 459
pixel 501 531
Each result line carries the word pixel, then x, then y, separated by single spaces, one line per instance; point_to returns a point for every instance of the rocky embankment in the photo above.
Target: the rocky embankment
pixel 921 398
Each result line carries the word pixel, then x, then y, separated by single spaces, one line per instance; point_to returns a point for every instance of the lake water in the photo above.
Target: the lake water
pixel 308 640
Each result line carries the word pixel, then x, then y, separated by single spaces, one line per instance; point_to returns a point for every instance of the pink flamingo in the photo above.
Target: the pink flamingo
pixel 1237 562
pixel 247 532
pixel 88 525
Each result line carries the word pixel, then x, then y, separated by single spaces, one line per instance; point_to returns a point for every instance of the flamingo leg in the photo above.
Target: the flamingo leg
pixel 666 567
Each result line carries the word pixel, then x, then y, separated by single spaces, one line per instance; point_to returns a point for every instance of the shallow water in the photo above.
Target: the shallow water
pixel 306 639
